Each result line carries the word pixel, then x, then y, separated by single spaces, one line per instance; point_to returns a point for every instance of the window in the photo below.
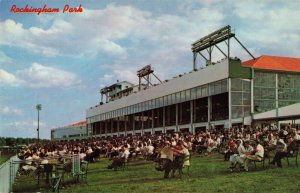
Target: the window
pixel 246 86
pixel 156 103
pixel 182 96
pixel 204 90
pixel 166 102
pixel 211 89
pixel 188 95
pixel 150 104
pixel 199 92
pixel 224 86
pixel 178 97
pixel 237 98
pixel 169 99
pixel 236 84
pixel 194 93
pixel 217 87
pixel 161 102
pixel 173 98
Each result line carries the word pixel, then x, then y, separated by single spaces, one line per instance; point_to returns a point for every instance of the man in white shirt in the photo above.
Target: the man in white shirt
pixel 258 156
pixel 125 153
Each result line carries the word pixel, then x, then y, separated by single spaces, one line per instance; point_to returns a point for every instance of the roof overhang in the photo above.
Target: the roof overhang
pixel 283 113
pixel 276 63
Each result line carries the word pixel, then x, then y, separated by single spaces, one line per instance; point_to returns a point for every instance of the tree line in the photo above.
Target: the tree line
pixel 10 141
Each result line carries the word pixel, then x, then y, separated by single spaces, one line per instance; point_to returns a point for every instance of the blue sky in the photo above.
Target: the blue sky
pixel 62 60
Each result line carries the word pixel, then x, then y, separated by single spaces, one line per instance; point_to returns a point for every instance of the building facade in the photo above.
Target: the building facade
pixel 276 87
pixel 221 95
pixel 75 131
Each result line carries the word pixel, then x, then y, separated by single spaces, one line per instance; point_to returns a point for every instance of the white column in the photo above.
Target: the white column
pixel 118 126
pixel 276 94
pixel 208 112
pixel 133 125
pixel 192 117
pixel 126 117
pixel 176 128
pixel 152 122
pixel 229 104
pixel 164 119
pixel 252 98
pixel 142 132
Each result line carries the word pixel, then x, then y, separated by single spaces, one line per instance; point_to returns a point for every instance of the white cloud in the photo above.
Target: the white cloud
pixel 4 59
pixel 14 34
pixel 64 37
pixel 107 77
pixel 168 39
pixel 102 31
pixel 22 124
pixel 133 36
pixel 9 79
pixel 10 111
pixel 38 76
pixel 24 129
pixel 128 75
pixel 272 27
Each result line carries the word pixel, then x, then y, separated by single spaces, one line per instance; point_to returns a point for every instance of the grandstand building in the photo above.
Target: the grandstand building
pixel 76 131
pixel 223 94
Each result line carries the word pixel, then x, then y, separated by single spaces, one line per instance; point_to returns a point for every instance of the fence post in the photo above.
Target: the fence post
pixel 75 165
pixel 10 174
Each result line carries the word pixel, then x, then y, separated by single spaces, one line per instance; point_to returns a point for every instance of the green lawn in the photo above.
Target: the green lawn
pixel 3 158
pixel 207 174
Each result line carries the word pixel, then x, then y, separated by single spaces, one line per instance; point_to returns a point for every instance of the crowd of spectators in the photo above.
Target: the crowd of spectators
pixel 240 145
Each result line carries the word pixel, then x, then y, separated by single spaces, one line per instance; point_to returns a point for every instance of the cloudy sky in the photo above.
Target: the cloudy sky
pixel 62 60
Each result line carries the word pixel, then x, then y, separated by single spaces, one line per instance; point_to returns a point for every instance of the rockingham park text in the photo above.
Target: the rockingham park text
pixel 45 9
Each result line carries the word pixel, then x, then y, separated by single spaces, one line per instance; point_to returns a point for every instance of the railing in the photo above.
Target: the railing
pixel 75 165
pixel 8 171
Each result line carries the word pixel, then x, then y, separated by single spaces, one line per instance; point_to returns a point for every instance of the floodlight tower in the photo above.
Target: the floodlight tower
pixel 210 41
pixel 145 73
pixel 38 108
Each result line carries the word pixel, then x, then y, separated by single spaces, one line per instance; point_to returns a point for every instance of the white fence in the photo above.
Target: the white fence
pixel 8 171
pixel 75 164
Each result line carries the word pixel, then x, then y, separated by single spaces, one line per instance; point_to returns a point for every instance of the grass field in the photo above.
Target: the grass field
pixel 207 174
pixel 3 158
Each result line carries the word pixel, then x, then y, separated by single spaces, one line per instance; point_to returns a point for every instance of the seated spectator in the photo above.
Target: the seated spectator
pixel 232 149
pixel 247 150
pixel 211 144
pixel 296 134
pixel 96 153
pixel 284 150
pixel 89 155
pixel 29 164
pixel 270 143
pixel 166 152
pixel 114 151
pixel 200 144
pixel 233 158
pixel 82 155
pixel 173 142
pixel 125 153
pixel 258 155
pixel 150 150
